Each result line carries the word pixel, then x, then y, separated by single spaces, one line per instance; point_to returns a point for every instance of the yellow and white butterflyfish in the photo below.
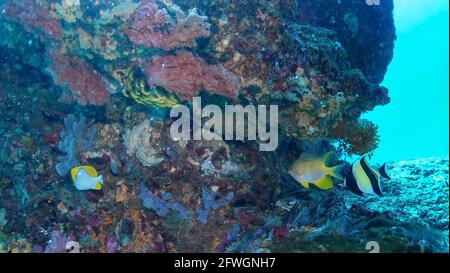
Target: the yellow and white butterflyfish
pixel 364 179
pixel 86 178
pixel 312 169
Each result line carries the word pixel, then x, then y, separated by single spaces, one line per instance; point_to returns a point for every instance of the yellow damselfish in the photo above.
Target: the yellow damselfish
pixel 312 169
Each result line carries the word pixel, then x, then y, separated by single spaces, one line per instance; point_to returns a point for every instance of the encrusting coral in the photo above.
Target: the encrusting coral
pixel 141 141
pixel 34 16
pixel 69 10
pixel 154 27
pixel 84 84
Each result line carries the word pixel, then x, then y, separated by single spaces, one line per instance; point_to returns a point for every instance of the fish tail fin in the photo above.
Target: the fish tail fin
pixel 336 171
pixel 383 173
pixel 325 183
pixel 99 183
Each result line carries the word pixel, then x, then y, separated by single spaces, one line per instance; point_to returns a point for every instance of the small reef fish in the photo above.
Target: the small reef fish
pixel 364 179
pixel 86 178
pixel 312 169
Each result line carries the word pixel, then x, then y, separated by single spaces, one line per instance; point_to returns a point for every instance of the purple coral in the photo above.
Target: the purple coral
pixel 57 243
pixel 111 244
pixel 154 27
pixel 210 202
pixel 74 137
pixel 162 206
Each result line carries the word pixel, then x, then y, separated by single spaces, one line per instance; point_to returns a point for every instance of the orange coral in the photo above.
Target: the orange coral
pixel 358 137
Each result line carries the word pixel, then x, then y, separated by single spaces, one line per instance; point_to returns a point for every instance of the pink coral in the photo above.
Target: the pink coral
pixel 189 26
pixel 33 17
pixel 186 75
pixel 154 27
pixel 85 84
pixel 147 23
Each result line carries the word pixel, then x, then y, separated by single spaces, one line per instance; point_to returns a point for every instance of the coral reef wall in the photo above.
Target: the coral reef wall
pixel 321 61
pixel 89 83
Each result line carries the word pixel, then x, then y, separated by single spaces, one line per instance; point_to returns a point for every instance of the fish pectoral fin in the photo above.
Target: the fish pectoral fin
pixel 326 156
pixel 304 184
pixel 325 183
pixel 336 171
pixel 97 186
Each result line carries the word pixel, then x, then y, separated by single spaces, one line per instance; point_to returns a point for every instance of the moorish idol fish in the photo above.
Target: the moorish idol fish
pixel 364 179
pixel 86 178
pixel 312 169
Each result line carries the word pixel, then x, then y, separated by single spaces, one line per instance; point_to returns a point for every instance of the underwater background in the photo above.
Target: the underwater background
pixel 421 27
pixel 88 162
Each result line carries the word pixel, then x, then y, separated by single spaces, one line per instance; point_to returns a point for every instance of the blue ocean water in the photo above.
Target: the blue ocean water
pixel 415 123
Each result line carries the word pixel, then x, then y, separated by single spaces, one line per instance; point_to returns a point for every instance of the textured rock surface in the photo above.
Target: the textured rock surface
pixel 418 191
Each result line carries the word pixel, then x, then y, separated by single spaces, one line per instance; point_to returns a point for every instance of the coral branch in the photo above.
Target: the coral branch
pixel 211 203
pixel 162 206
pixel 75 137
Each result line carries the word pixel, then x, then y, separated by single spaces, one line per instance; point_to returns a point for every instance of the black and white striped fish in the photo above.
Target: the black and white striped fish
pixel 364 179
